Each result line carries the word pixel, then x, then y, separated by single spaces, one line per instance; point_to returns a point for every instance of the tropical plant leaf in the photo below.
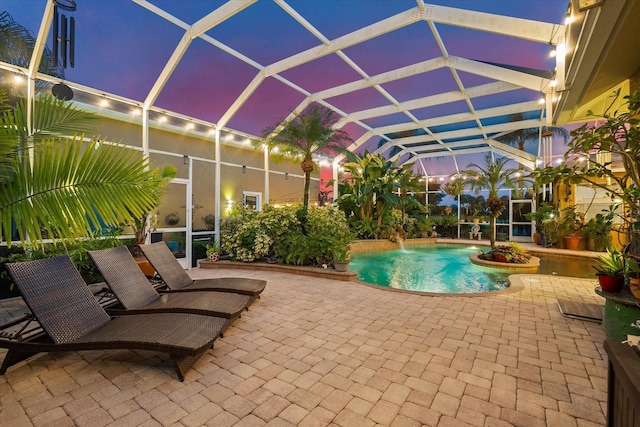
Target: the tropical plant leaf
pixel 69 188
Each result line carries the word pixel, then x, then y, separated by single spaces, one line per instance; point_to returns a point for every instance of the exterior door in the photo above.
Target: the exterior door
pixel 521 228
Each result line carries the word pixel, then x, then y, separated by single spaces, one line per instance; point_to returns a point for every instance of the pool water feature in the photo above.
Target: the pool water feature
pixel 447 269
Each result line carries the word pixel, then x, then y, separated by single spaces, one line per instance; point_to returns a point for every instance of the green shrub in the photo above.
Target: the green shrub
pixel 283 235
pixel 76 249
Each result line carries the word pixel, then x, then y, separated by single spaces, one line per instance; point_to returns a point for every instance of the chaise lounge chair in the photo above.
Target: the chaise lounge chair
pixel 73 320
pixel 177 280
pixel 137 296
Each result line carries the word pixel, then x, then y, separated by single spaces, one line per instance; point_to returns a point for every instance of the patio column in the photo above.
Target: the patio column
pixel 216 187
pixel 334 170
pixel 145 152
pixel 266 175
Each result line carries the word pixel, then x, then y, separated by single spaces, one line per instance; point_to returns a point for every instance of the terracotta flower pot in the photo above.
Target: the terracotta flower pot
pixel 610 283
pixel 536 238
pixel 571 242
pixel 634 285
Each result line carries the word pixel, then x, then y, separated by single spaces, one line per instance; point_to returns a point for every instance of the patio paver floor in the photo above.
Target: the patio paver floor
pixel 318 352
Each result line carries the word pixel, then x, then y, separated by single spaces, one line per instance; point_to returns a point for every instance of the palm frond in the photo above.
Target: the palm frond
pixel 72 188
pixel 54 118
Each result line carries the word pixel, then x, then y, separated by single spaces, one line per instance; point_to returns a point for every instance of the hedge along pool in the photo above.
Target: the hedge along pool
pixel 446 269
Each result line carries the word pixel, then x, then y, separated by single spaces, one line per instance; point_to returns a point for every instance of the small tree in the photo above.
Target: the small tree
pixel 491 176
pixel 618 138
pixel 369 193
pixel 306 134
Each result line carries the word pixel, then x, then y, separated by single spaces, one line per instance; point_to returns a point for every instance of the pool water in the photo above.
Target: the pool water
pixel 447 269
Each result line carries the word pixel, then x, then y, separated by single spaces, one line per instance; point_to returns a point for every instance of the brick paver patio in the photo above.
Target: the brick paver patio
pixel 318 352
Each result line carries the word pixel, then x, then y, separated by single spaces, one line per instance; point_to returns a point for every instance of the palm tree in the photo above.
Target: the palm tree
pixel 61 186
pixel 521 137
pixel 491 176
pixel 303 136
pixel 52 181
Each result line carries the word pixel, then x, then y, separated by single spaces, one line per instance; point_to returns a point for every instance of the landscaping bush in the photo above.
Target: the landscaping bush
pixel 281 235
pixel 512 253
pixel 76 249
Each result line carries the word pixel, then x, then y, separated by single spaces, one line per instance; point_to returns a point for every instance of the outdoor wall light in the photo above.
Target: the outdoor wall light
pixel 286 175
pixel 185 159
pixel 244 169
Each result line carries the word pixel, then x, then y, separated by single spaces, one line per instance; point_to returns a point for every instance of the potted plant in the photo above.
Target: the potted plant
pixel 213 251
pixel 172 219
pixel 610 270
pixel 341 258
pixel 551 231
pixel 543 213
pixel 572 227
pixel 598 230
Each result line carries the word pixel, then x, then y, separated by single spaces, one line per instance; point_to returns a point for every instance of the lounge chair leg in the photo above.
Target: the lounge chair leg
pixel 184 363
pixel 12 357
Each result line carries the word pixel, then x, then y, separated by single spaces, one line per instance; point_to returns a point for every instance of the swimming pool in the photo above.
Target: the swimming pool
pixel 445 269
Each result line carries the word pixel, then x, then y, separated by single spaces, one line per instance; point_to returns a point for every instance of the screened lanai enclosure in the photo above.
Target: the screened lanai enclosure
pixel 434 85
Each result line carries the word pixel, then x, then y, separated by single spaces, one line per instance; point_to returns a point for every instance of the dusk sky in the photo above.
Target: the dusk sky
pixel 122 48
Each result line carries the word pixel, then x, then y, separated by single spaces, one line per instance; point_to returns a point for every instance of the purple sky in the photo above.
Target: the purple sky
pixel 122 48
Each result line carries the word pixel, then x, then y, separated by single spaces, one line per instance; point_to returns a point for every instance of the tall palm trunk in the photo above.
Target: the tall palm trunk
pixel 307 166
pixel 492 237
pixel 307 182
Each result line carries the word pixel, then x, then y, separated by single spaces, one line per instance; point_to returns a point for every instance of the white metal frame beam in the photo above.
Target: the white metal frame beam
pixel 507 79
pixel 214 18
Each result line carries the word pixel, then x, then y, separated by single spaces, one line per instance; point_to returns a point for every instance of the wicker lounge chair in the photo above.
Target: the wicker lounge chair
pixel 136 295
pixel 177 280
pixel 72 320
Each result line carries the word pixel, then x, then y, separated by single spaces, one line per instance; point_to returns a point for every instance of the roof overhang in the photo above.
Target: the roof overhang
pixel 606 57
